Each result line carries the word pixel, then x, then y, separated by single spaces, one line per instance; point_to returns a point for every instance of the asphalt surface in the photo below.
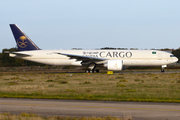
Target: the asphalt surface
pixel 132 110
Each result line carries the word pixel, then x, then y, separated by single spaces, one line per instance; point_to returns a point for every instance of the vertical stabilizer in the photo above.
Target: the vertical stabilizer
pixel 24 43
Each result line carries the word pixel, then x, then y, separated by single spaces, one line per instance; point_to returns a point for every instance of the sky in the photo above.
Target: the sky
pixel 93 24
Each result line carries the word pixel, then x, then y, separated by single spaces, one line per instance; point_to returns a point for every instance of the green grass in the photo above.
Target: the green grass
pixel 150 87
pixel 26 116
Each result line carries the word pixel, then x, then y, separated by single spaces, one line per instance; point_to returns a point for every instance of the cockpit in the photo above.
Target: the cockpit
pixel 172 56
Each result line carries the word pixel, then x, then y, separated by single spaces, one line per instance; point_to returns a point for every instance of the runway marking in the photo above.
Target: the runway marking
pixel 48 105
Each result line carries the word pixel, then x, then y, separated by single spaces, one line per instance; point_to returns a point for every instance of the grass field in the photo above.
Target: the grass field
pixel 25 116
pixel 150 87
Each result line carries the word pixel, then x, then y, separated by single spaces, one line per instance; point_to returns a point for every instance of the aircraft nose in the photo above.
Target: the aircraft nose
pixel 176 59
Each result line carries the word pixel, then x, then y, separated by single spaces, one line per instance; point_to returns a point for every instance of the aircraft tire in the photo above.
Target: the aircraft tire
pixel 97 70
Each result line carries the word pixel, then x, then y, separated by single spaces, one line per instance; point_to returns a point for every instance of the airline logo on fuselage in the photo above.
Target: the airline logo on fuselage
pixel 104 54
pixel 22 42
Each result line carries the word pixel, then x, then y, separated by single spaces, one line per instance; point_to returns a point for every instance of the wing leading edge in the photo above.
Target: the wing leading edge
pixel 84 59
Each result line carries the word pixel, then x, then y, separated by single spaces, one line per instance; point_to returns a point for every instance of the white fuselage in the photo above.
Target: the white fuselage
pixel 129 57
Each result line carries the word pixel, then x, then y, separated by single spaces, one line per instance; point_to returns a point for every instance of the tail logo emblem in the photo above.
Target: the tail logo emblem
pixel 22 42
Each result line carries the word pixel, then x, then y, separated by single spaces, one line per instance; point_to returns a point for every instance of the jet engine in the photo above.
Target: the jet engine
pixel 114 65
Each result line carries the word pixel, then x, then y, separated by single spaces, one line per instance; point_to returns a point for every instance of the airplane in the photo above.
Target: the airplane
pixel 113 60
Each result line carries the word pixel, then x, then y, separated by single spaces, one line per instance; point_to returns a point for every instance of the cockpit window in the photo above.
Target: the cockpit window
pixel 172 56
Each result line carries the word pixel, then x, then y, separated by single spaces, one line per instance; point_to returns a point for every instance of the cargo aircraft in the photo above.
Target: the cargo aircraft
pixel 113 60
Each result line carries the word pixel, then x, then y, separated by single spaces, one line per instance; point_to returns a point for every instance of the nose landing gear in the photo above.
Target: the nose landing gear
pixel 162 68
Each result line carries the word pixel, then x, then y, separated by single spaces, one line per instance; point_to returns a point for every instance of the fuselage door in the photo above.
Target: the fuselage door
pixel 159 56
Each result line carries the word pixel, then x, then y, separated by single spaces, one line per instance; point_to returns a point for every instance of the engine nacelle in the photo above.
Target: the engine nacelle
pixel 114 65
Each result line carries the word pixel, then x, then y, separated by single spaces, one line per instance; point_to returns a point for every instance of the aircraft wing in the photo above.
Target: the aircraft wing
pixel 83 58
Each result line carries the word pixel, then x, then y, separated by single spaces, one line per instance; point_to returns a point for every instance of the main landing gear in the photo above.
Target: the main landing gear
pixel 91 69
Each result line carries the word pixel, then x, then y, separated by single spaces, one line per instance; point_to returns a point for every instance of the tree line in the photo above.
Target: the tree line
pixel 6 61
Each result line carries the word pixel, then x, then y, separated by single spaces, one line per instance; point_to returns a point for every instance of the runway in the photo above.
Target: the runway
pixel 78 108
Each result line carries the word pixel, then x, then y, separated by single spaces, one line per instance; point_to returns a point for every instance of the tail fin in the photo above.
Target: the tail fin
pixel 24 43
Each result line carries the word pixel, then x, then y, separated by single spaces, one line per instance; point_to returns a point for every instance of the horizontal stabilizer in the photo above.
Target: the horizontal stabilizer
pixel 16 54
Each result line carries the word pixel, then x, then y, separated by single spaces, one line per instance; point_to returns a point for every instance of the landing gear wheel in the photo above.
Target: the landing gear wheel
pixel 162 70
pixel 87 71
pixel 92 71
pixel 97 71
